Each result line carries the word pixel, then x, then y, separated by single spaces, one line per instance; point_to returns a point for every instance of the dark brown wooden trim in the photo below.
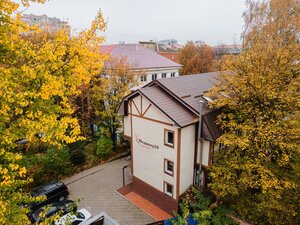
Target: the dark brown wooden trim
pixel 157 121
pixel 147 109
pixel 165 143
pixel 178 163
pixel 167 172
pixel 160 109
pixel 131 139
pixel 165 188
pixel 126 137
pixel 136 107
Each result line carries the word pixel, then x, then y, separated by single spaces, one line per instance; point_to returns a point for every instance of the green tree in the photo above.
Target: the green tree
pixel 39 73
pixel 258 172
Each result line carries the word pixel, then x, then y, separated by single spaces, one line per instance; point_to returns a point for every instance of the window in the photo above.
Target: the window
pixel 154 76
pixel 238 132
pixel 143 78
pixel 168 189
pixel 169 167
pixel 169 138
pixel 163 75
pixel 173 74
pixel 221 146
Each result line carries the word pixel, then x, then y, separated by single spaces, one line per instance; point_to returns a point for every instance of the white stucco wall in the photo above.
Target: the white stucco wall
pixel 159 72
pixel 126 126
pixel 205 153
pixel 187 158
pixel 148 162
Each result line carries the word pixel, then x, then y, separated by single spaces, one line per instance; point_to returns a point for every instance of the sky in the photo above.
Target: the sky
pixel 212 21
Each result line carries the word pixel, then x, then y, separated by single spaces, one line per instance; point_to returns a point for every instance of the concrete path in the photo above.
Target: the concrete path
pixel 97 186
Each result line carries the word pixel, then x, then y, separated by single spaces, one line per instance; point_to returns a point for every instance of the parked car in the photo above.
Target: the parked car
pixel 54 192
pixel 46 211
pixel 76 218
pixel 100 219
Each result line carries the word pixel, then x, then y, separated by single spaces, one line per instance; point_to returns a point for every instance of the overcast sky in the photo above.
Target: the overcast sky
pixel 212 21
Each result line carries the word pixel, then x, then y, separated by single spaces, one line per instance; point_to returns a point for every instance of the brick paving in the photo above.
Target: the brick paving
pixel 147 206
pixel 97 188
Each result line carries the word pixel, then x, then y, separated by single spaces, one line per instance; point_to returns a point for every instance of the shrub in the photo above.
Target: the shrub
pixel 77 152
pixel 104 147
pixel 56 163
pixel 204 212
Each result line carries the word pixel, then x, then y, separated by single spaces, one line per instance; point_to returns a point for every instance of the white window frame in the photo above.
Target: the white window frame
pixel 143 78
pixel 166 189
pixel 166 142
pixel 154 76
pixel 166 170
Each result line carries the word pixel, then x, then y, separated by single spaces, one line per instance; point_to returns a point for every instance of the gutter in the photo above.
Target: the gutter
pixel 200 139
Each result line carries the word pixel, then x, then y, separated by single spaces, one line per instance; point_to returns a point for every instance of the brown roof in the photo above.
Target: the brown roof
pixel 190 88
pixel 173 109
pixel 178 98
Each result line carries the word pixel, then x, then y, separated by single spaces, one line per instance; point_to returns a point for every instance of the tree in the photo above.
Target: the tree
pixel 109 89
pixel 196 58
pixel 39 73
pixel 258 172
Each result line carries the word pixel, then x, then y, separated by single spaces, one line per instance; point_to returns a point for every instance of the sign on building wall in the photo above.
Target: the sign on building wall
pixel 145 144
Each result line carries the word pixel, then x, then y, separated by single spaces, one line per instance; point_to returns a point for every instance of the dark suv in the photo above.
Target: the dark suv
pixel 48 210
pixel 55 192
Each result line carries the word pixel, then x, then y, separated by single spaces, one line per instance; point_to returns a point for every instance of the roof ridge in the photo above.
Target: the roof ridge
pixel 178 98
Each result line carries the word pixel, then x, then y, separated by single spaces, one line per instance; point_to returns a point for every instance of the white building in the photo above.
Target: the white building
pixel 161 120
pixel 153 65
pixel 51 24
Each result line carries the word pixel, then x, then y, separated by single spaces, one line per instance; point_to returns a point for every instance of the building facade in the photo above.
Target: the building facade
pixel 51 24
pixel 170 149
pixel 153 65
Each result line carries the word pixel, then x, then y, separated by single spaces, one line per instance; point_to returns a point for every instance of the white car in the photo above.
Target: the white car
pixel 76 218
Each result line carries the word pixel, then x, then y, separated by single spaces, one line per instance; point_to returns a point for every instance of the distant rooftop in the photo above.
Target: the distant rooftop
pixel 44 22
pixel 138 56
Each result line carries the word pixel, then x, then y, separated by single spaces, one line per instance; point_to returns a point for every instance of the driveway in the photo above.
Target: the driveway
pixel 97 188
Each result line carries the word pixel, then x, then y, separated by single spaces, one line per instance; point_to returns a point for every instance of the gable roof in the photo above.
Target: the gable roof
pixel 173 109
pixel 178 98
pixel 191 88
pixel 138 56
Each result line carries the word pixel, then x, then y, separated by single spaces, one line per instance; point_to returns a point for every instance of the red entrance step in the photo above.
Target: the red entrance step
pixel 147 206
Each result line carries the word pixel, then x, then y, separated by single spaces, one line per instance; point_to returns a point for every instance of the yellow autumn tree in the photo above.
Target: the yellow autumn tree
pixel 258 170
pixel 196 58
pixel 39 72
pixel 108 90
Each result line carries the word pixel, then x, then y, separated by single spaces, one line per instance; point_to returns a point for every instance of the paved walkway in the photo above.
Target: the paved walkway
pixel 97 186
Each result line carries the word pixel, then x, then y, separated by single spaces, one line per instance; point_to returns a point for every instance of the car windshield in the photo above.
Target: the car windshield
pixel 80 215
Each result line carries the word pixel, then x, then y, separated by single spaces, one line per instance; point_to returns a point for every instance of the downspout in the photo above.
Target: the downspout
pixel 200 139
